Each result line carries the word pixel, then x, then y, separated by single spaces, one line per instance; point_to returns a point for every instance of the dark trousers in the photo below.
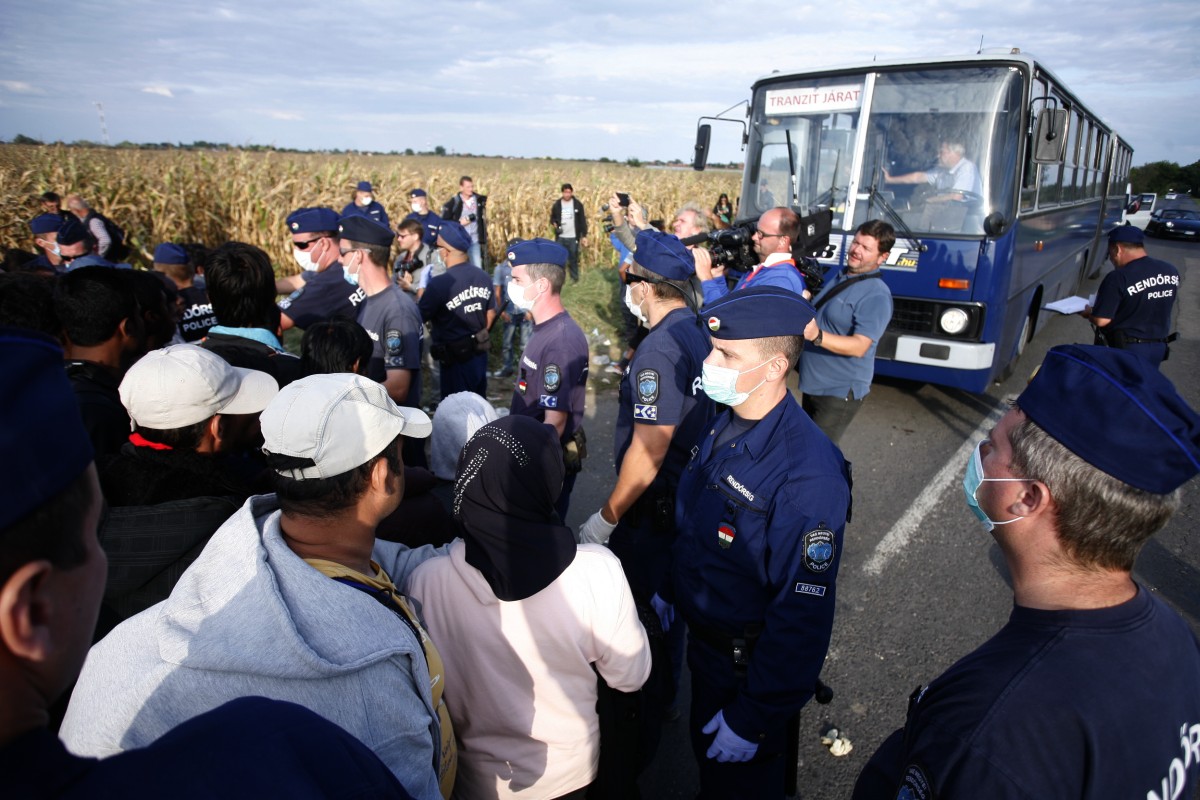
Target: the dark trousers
pixel 572 246
pixel 467 376
pixel 832 414
pixel 715 686
pixel 564 497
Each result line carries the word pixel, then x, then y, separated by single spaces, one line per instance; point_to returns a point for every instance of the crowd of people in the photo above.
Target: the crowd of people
pixel 281 561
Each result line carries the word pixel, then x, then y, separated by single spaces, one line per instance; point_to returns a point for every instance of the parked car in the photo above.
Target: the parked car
pixel 1175 222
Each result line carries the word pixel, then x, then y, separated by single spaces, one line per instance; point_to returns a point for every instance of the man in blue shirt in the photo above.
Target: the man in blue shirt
pixel 777 230
pixel 1092 689
pixel 1134 301
pixel 761 509
pixel 320 290
pixel 552 378
pixel 853 311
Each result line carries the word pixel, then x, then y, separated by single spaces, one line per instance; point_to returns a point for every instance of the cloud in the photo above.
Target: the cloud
pixel 160 90
pixel 287 116
pixel 20 87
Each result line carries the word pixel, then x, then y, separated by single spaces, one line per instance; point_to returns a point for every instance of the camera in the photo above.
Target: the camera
pixel 610 224
pixel 471 217
pixel 733 248
pixel 623 199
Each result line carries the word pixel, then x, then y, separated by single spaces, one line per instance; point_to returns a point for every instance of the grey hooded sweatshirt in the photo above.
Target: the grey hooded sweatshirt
pixel 250 617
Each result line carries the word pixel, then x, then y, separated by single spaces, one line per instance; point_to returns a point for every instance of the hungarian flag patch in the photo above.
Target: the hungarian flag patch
pixel 725 534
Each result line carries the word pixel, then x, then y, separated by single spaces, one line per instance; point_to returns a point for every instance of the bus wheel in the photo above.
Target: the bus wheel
pixel 1023 340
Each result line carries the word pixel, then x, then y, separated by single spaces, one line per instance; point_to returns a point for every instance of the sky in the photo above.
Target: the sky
pixel 532 79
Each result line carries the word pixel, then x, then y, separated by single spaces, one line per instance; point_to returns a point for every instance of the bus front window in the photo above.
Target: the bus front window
pixel 802 142
pixel 941 148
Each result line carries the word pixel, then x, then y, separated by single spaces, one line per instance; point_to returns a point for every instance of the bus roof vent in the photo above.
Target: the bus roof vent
pixel 1000 51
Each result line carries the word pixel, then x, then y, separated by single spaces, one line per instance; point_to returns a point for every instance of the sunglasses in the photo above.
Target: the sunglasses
pixel 306 245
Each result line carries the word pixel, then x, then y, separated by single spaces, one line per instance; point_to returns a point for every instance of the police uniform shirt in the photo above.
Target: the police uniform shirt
pixel 553 372
pixel 456 303
pixel 198 315
pixel 864 307
pixel 1094 703
pixel 760 521
pixel 1138 298
pixel 325 294
pixel 662 386
pixel 374 210
pixel 431 222
pixel 392 321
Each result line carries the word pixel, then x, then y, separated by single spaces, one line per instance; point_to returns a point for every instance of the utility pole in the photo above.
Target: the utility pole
pixel 103 126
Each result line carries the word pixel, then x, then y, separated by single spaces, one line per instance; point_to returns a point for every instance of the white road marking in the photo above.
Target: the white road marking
pixel 908 524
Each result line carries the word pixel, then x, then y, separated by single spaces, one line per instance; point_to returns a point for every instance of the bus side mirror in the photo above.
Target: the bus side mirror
pixel 700 157
pixel 1049 138
pixel 994 224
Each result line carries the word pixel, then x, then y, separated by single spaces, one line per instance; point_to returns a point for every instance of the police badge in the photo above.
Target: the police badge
pixel 551 378
pixel 819 548
pixel 647 386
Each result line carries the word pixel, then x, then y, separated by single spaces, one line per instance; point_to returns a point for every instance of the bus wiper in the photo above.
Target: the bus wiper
pixel 795 198
pixel 873 194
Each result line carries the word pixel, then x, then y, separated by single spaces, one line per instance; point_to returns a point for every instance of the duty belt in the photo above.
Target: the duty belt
pixel 1164 340
pixel 738 646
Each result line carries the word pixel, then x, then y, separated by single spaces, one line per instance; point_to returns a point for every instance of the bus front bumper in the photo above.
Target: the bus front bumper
pixel 945 353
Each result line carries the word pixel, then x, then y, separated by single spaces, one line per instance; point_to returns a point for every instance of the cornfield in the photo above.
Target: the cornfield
pixel 217 196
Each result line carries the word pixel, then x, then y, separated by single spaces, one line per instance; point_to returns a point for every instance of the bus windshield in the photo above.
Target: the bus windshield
pixel 939 150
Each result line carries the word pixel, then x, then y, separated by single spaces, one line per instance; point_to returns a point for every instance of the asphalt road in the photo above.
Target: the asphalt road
pixel 921 583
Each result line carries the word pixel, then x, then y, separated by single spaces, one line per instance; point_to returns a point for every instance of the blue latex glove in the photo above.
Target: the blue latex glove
pixel 728 746
pixel 665 611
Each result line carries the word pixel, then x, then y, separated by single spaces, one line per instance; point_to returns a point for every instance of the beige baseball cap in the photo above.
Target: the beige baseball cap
pixel 335 422
pixel 184 384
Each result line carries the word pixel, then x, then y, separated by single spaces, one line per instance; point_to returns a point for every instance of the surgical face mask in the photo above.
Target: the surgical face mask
pixel 971 483
pixel 304 260
pixel 720 383
pixel 635 308
pixel 517 295
pixel 365 200
pixel 415 207
pixel 351 277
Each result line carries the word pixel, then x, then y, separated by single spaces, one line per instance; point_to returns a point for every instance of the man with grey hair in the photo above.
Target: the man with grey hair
pixel 1092 689
pixel 954 178
pixel 299 569
pixel 92 222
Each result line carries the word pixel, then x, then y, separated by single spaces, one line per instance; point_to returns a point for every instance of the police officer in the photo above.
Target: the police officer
pixel 552 378
pixel 460 306
pixel 1092 688
pixel 1134 301
pixel 761 508
pixel 430 222
pixel 320 291
pixel 196 314
pixel 364 203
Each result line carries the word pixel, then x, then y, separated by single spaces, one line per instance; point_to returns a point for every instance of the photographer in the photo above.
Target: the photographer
pixel 470 210
pixel 415 256
pixel 773 238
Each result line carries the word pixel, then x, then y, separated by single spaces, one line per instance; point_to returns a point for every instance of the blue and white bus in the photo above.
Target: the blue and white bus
pixel 971 269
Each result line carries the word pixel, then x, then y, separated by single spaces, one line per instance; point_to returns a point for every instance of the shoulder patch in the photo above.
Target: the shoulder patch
pixel 393 342
pixel 551 378
pixel 915 785
pixel 647 385
pixel 819 547
pixel 548 401
pixel 645 412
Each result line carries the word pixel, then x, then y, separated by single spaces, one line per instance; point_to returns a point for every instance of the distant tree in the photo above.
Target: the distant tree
pixel 408 151
pixel 21 138
pixel 633 162
pixel 439 151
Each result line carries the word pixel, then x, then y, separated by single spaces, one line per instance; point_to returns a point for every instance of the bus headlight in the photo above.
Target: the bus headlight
pixel 954 321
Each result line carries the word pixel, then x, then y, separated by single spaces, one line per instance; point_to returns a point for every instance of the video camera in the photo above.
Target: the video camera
pixel 733 247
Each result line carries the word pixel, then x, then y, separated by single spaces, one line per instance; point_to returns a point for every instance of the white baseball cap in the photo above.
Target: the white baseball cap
pixel 184 384
pixel 337 422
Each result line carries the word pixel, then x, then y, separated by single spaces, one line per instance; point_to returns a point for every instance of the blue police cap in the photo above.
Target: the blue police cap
pixel 361 228
pixel 170 253
pixel 417 193
pixel 35 390
pixel 664 255
pixel 312 220
pixel 1117 412
pixel 757 312
pixel 1129 234
pixel 364 186
pixel 537 251
pixel 45 223
pixel 455 236
pixel 71 231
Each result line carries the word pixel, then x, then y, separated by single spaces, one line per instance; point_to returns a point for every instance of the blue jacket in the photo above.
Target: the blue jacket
pixel 760 525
